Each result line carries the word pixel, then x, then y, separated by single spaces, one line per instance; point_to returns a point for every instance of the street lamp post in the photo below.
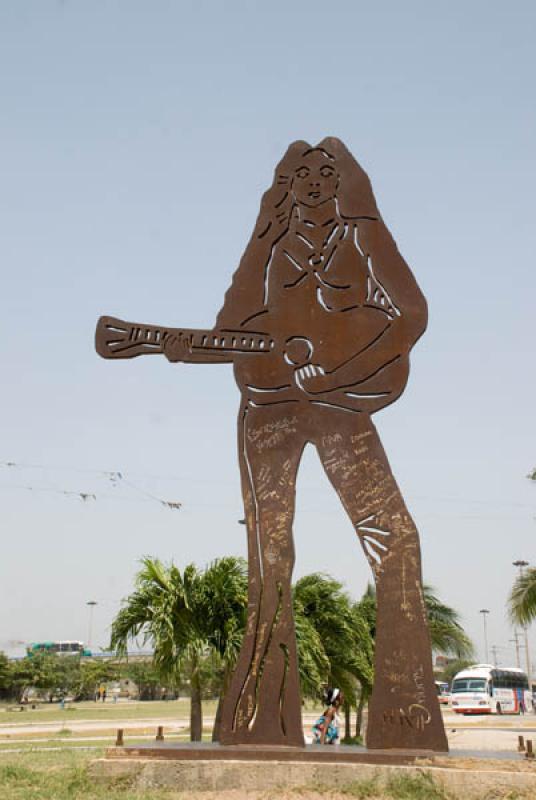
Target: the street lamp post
pixel 520 564
pixel 91 604
pixel 484 612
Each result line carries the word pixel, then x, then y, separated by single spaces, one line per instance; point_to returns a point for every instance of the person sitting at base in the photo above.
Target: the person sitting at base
pixel 326 728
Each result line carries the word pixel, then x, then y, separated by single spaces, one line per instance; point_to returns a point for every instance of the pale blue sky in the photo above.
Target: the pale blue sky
pixel 137 138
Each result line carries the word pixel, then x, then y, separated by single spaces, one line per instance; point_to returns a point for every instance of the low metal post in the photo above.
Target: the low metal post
pixel 529 753
pixel 119 738
pixel 160 733
pixel 521 744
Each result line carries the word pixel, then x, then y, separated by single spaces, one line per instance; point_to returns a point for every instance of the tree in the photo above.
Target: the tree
pixel 5 679
pixel 366 607
pixel 184 616
pixel 342 651
pixel 522 599
pixel 222 604
pixel 43 672
pixel 53 676
pixel 195 623
pixel 60 676
pixel 21 676
pixel 146 677
pixel 92 674
pixel 446 631
pixel 453 668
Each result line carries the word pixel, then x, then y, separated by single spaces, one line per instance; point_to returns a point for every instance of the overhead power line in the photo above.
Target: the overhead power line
pixel 113 477
pixel 117 478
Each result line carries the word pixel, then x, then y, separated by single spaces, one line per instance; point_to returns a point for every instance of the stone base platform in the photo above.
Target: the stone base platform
pixel 207 767
pixel 194 751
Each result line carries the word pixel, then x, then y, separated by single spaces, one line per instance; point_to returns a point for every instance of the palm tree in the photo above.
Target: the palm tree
pixel 446 632
pixel 222 604
pixel 522 600
pixel 190 615
pixel 341 646
pixel 184 616
pixel 366 608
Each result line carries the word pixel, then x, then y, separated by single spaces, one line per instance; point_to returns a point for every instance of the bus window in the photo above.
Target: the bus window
pixel 469 685
pixel 478 685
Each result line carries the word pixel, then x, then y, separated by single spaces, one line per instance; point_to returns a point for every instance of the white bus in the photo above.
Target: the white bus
pixel 443 694
pixel 485 689
pixel 62 648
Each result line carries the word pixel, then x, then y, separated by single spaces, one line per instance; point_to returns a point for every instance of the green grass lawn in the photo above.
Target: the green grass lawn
pixel 51 712
pixel 88 741
pixel 61 776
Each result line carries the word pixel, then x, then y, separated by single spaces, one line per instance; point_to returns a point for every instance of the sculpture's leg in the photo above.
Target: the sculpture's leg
pixel 263 705
pixel 404 710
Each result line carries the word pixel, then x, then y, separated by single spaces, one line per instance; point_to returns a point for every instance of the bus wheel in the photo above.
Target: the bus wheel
pixel 499 709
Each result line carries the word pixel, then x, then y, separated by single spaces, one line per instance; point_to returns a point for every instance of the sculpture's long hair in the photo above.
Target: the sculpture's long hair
pixel 355 200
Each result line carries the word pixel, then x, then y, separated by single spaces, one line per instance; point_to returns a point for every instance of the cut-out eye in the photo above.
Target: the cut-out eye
pixel 327 172
pixel 302 172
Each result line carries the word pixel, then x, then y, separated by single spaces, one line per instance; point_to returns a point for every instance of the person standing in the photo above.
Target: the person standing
pixel 326 729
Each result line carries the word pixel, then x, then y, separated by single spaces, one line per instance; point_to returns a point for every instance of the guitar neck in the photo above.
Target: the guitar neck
pixel 115 338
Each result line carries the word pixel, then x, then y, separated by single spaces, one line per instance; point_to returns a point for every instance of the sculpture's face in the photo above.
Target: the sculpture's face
pixel 315 180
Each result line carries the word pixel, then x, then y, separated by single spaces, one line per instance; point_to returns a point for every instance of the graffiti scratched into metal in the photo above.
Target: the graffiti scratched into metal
pixel 318 322
pixel 416 716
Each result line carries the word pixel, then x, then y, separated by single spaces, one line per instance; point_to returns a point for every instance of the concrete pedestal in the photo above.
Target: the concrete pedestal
pixel 200 767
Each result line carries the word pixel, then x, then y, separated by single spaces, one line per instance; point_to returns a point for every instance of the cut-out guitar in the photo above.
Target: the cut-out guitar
pixel 115 338
pixel 268 369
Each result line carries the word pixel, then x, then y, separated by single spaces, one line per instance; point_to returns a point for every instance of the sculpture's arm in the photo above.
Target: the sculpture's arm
pixel 177 348
pixel 410 315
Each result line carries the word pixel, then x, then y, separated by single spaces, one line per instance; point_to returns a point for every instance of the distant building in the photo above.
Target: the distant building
pixel 441 662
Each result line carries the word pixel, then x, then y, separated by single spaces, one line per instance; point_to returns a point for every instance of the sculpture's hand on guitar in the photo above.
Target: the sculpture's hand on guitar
pixel 177 348
pixel 312 379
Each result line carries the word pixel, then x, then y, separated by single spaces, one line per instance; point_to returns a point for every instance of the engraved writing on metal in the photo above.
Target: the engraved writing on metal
pixel 416 716
pixel 318 323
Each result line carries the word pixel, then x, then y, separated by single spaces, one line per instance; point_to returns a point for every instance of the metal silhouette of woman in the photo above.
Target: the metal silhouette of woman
pixel 319 322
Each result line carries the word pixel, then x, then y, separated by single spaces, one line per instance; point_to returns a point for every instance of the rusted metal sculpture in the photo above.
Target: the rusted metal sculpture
pixel 319 322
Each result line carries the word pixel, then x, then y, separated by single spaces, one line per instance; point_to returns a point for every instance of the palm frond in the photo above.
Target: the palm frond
pixel 522 599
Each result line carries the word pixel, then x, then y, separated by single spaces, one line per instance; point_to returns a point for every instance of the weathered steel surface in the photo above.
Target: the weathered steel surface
pixel 319 322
